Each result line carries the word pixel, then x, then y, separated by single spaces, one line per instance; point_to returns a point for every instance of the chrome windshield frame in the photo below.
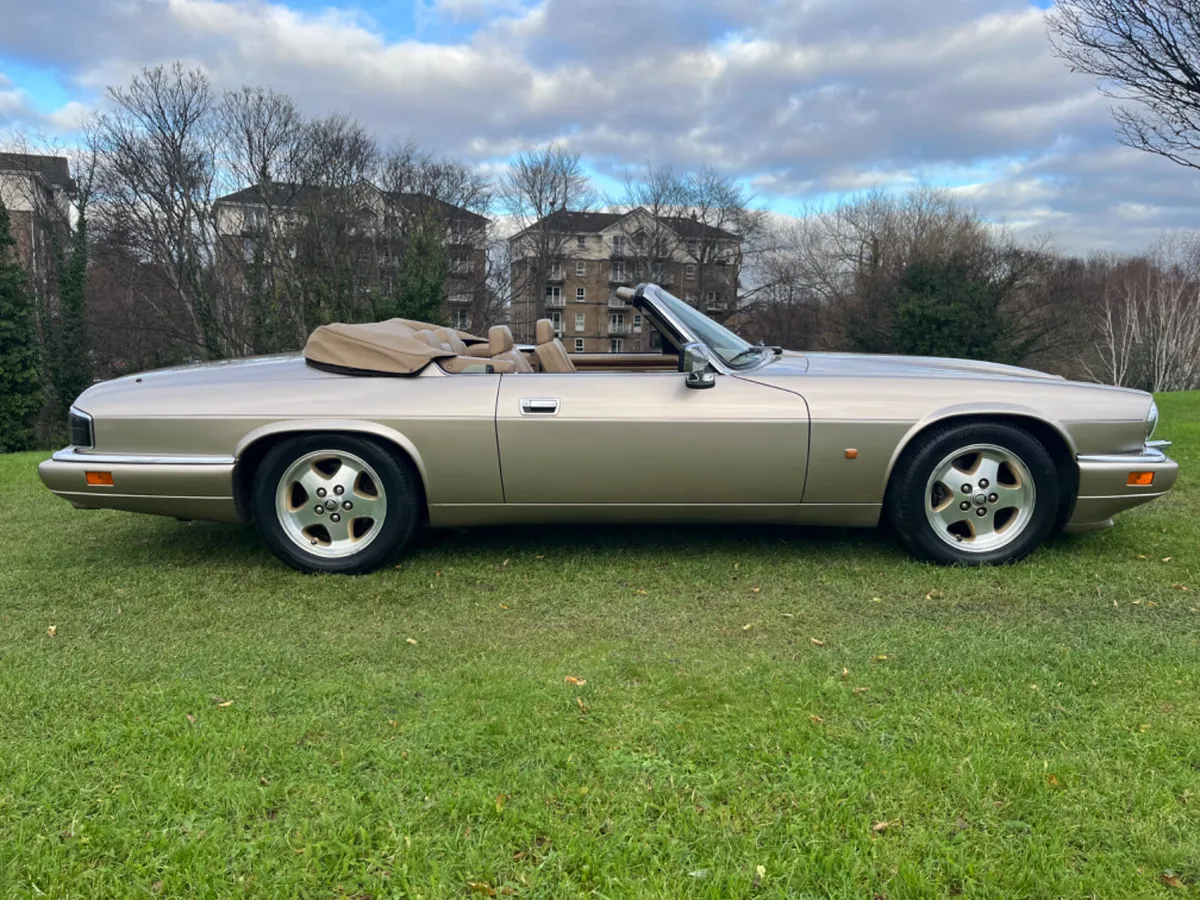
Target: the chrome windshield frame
pixel 682 332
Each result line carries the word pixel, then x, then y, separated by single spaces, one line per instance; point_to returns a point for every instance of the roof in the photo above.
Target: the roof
pixel 282 193
pixel 54 170
pixel 572 222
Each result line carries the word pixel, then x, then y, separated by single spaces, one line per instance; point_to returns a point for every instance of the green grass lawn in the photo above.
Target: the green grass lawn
pixel 767 712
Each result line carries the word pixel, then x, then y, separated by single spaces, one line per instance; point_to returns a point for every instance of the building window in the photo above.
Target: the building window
pixel 462 321
pixel 580 268
pixel 689 272
pixel 580 241
pixel 618 243
pixel 693 247
pixel 618 271
pixel 556 271
pixel 556 321
pixel 616 345
pixel 637 324
pixel 578 345
pixel 579 325
pixel 616 323
pixel 553 295
pixel 580 294
pixel 635 346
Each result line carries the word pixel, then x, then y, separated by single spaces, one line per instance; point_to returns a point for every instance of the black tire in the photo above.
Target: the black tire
pixel 908 494
pixel 398 480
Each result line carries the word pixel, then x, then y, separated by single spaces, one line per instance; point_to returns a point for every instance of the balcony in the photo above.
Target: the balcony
pixel 619 328
pixel 617 303
pixel 556 302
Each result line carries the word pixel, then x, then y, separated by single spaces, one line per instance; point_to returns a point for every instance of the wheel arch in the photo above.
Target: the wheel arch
pixel 253 448
pixel 1050 433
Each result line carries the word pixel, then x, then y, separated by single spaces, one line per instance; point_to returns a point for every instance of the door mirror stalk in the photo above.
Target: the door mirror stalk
pixel 699 374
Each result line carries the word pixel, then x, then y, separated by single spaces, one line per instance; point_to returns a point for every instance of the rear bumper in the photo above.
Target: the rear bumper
pixel 1104 490
pixel 181 487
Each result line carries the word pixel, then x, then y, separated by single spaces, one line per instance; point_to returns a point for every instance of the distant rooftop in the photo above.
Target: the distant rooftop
pixel 282 194
pixel 54 170
pixel 569 222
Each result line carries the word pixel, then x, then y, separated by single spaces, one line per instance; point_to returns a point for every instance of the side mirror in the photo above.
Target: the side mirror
pixel 699 374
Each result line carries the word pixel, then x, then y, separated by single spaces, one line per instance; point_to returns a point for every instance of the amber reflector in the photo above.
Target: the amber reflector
pixel 1140 479
pixel 851 454
pixel 100 479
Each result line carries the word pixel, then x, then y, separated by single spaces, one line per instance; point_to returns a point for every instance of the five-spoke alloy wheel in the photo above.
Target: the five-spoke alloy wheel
pixel 974 494
pixel 335 503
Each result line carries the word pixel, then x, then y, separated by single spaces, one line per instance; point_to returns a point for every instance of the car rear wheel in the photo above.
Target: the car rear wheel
pixel 335 503
pixel 974 494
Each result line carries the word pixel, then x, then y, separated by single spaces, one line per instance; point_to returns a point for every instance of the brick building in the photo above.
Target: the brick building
pixel 38 192
pixel 375 215
pixel 567 267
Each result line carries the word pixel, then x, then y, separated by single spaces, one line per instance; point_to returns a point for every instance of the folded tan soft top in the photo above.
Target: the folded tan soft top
pixel 391 348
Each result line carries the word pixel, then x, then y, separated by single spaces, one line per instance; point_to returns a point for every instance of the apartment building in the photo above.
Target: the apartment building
pixel 38 192
pixel 567 267
pixel 278 211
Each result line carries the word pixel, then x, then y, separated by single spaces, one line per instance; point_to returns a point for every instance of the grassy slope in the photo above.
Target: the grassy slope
pixel 1032 731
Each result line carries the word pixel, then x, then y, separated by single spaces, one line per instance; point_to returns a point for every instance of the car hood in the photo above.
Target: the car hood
pixel 880 365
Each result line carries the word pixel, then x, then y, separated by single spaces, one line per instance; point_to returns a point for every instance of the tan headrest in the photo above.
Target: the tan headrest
pixel 500 339
pixel 545 331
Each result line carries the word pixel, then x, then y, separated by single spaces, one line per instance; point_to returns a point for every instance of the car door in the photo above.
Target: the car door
pixel 646 438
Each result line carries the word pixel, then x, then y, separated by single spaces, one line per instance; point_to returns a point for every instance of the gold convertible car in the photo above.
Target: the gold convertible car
pixel 338 455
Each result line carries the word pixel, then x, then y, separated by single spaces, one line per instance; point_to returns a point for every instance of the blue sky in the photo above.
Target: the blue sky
pixel 806 102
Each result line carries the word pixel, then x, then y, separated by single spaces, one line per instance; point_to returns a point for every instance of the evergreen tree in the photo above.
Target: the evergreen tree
pixel 422 292
pixel 74 367
pixel 20 383
pixel 946 309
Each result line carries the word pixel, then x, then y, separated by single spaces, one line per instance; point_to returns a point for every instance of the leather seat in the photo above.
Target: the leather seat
pixel 500 344
pixel 550 351
pixel 449 337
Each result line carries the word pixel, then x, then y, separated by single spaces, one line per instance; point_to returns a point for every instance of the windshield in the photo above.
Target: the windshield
pixel 732 350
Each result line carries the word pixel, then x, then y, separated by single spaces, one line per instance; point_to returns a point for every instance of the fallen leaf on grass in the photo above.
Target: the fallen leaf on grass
pixel 539 556
pixel 817 643
pixel 191 719
pixel 641 591
pixel 156 887
pixel 1053 781
pixel 501 799
pixel 748 626
pixel 410 641
pixel 1143 556
pixel 1151 604
pixel 881 658
pixel 860 690
pixel 52 630
pixel 1181 587
pixel 789 615
pixel 583 706
pixel 1167 559
pixel 760 872
pixel 845 673
pixel 1170 879
pixel 816 720
pixel 221 703
pixel 933 595
pixel 756 590
pixel 881 827
pixel 1144 728
pixel 578 682
pixel 504 606
pixel 264 780
pixel 505 563
pixel 876 599
pixel 482 887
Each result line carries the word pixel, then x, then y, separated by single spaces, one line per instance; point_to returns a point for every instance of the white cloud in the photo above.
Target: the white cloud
pixel 802 99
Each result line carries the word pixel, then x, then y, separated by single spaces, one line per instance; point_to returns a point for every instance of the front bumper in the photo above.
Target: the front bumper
pixel 179 486
pixel 1104 490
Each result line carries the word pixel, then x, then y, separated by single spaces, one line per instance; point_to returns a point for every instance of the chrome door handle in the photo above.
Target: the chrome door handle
pixel 539 407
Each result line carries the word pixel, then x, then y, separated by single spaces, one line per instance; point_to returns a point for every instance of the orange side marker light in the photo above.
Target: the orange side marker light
pixel 1140 479
pixel 100 479
pixel 851 454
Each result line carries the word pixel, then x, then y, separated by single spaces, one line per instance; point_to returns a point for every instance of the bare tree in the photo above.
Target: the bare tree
pixel 1148 330
pixel 538 190
pixel 651 240
pixel 1146 53
pixel 156 182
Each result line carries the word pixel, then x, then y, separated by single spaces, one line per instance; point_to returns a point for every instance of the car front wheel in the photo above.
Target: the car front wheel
pixel 974 494
pixel 335 503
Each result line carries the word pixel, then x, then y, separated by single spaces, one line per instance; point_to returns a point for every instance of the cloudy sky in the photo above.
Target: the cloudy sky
pixel 806 100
